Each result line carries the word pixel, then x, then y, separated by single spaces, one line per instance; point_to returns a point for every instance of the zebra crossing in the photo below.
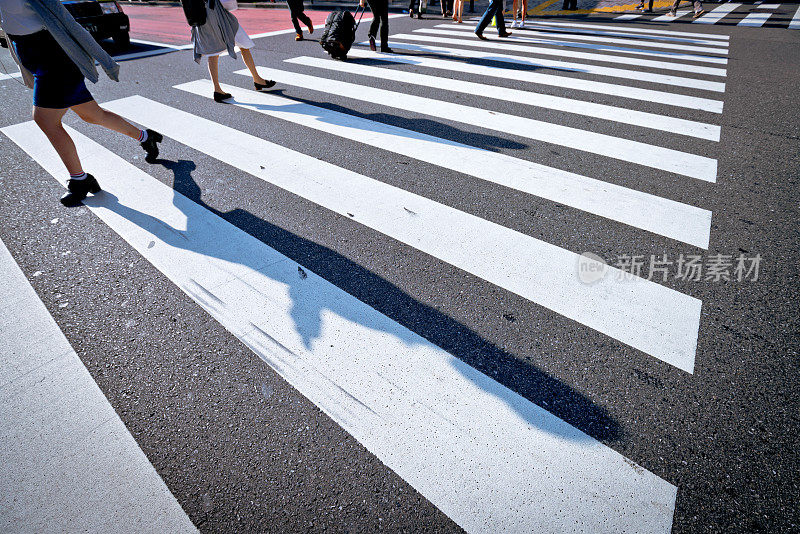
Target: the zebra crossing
pixel 477 450
pixel 754 15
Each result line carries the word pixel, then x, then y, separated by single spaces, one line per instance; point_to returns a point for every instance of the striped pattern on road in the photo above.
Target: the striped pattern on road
pixel 708 46
pixel 667 321
pixel 674 161
pixel 669 18
pixel 68 462
pixel 591 46
pixel 755 20
pixel 794 24
pixel 651 31
pixel 583 67
pixel 485 456
pixel 716 14
pixel 590 109
pixel 640 210
pixel 575 84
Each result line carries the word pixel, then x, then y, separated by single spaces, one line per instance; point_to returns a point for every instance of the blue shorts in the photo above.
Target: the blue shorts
pixel 57 81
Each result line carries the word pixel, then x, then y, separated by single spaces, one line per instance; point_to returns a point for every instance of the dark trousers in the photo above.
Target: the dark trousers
pixel 296 11
pixel 495 9
pixel 423 5
pixel 447 6
pixel 380 14
pixel 570 4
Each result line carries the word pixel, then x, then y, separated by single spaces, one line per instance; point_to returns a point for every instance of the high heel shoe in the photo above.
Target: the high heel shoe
pixel 151 145
pixel 221 97
pixel 261 86
pixel 78 189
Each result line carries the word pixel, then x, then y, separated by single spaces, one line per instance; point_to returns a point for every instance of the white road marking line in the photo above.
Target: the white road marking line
pixel 636 36
pixel 485 456
pixel 535 270
pixel 547 34
pixel 755 20
pixel 633 30
pixel 794 24
pixel 366 18
pixel 4 76
pixel 602 50
pixel 578 84
pixel 69 463
pixel 661 79
pixel 527 49
pixel 163 45
pixel 669 18
pixel 627 17
pixel 146 53
pixel 653 121
pixel 649 212
pixel 768 6
pixel 716 14
pixel 683 163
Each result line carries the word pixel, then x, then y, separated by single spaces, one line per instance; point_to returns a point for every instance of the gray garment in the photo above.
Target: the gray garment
pixel 217 34
pixel 17 18
pixel 78 43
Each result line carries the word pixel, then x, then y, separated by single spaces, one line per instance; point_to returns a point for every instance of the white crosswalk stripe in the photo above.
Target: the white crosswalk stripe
pixel 568 105
pixel 427 416
pixel 669 18
pixel 605 58
pixel 716 14
pixel 794 24
pixel 478 451
pixel 606 48
pixel 651 77
pixel 708 46
pixel 575 84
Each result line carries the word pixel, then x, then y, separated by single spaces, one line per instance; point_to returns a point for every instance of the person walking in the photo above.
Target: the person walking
pixel 222 32
pixel 495 10
pixel 698 9
pixel 55 55
pixel 297 13
pixel 520 7
pixel 423 6
pixel 380 18
pixel 447 8
pixel 458 10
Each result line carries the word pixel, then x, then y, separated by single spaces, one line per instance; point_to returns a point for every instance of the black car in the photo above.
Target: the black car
pixel 103 19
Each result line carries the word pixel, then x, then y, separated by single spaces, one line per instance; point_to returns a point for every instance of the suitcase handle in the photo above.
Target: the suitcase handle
pixel 363 10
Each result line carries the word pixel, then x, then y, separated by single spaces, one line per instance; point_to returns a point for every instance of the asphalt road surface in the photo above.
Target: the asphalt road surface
pixel 546 283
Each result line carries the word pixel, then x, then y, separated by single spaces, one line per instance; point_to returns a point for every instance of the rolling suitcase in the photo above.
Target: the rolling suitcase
pixel 340 32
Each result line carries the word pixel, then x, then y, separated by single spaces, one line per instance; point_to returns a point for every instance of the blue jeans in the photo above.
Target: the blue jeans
pixel 495 9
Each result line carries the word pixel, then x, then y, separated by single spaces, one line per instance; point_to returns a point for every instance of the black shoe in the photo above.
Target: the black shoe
pixel 260 87
pixel 387 50
pixel 151 145
pixel 372 43
pixel 221 97
pixel 506 34
pixel 480 36
pixel 411 13
pixel 78 189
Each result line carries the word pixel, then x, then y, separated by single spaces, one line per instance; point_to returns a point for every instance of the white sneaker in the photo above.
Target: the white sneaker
pixel 521 24
pixel 514 24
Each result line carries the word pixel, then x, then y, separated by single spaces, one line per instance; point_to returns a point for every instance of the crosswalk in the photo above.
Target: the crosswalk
pixel 490 459
pixel 753 15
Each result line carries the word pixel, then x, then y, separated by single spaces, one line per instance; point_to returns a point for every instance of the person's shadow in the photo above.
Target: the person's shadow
pixel 472 352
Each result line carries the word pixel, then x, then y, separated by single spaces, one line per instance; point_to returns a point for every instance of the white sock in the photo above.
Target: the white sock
pixel 78 176
pixel 142 136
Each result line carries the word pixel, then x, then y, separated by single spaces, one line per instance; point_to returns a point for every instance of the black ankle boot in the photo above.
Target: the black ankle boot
pixel 78 189
pixel 151 145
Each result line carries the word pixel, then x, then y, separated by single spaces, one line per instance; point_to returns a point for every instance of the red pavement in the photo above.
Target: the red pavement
pixel 167 24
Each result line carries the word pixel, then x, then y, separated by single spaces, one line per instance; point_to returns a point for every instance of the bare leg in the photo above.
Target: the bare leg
pixel 49 121
pixel 251 66
pixel 524 9
pixel 92 113
pixel 213 70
